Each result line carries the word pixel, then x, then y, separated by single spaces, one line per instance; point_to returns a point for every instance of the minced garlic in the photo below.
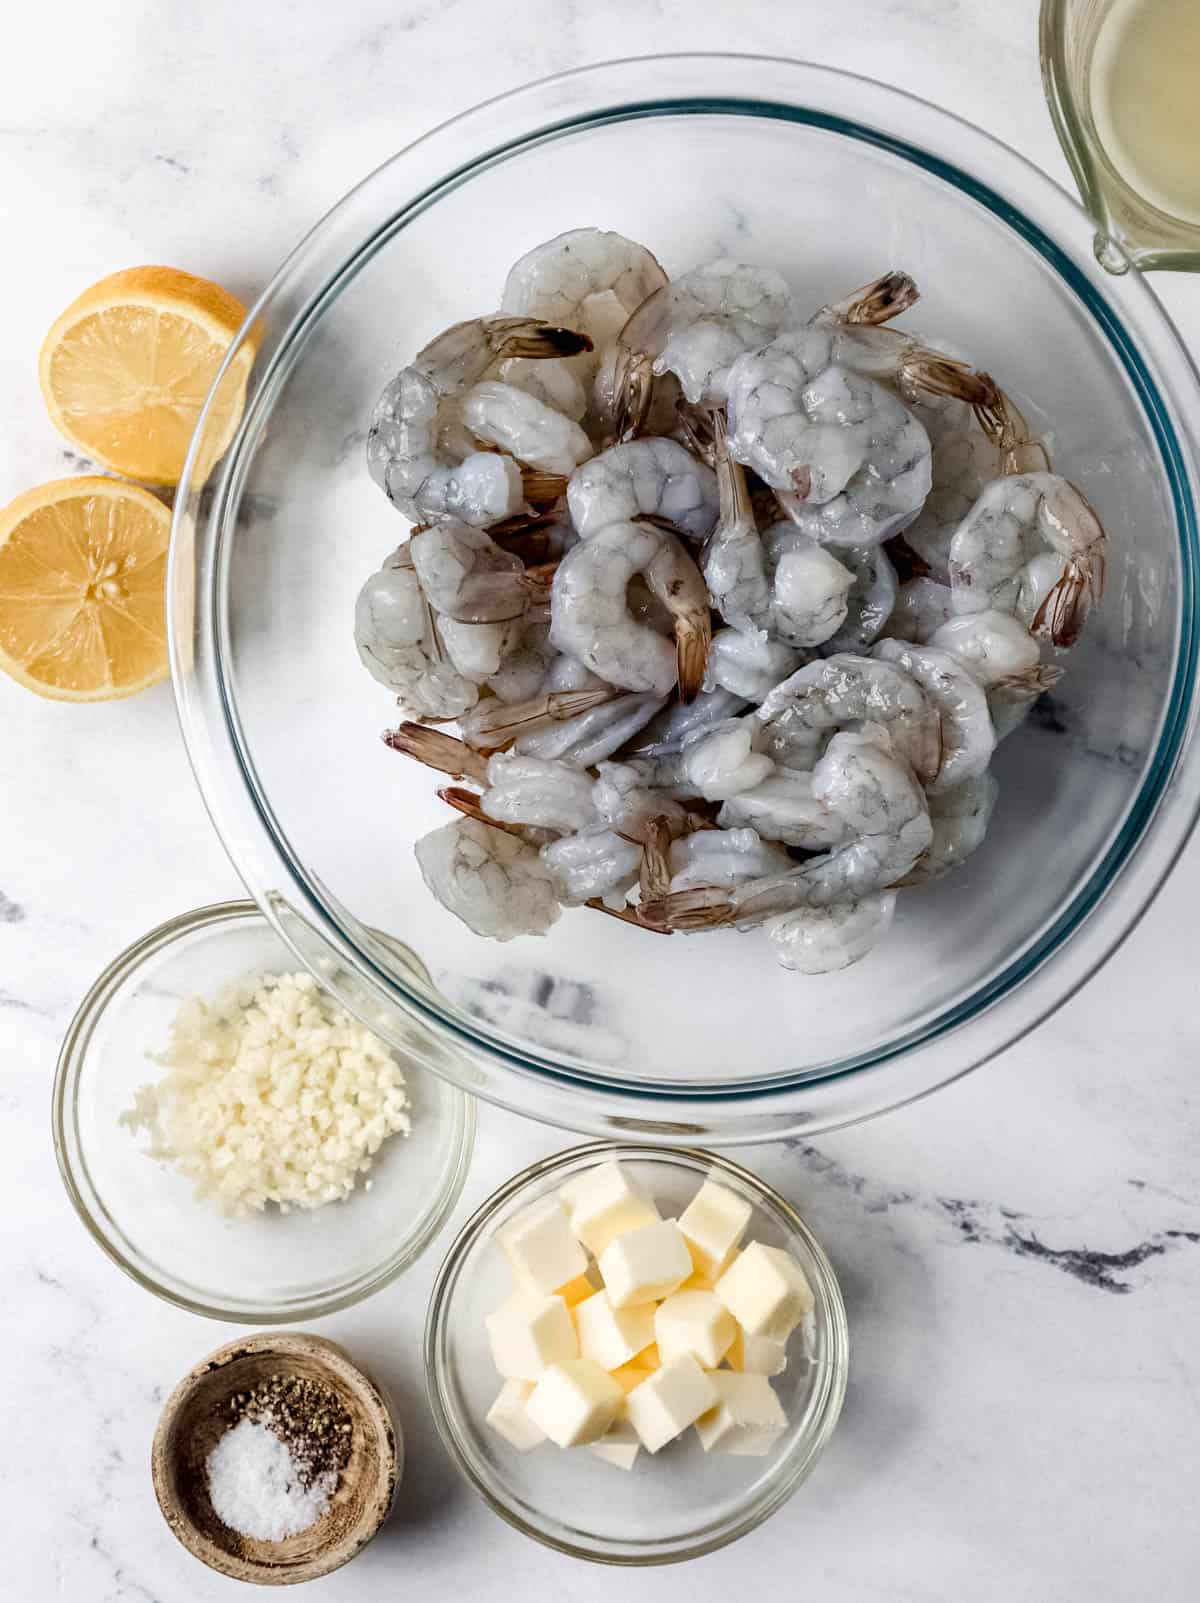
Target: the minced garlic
pixel 272 1094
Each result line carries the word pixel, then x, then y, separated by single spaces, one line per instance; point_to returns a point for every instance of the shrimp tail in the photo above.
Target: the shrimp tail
pixel 1064 610
pixel 634 391
pixel 627 915
pixel 693 636
pixel 876 302
pixel 436 750
pixel 470 804
pixel 654 876
pixel 494 724
pixel 1001 421
pixel 542 489
pixel 535 340
pixel 705 907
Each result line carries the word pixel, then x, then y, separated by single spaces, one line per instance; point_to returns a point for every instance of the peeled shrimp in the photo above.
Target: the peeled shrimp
pixel 993 645
pixel 810 587
pixel 406 453
pixel 963 461
pixel 653 478
pixel 551 382
pixel 1031 546
pixel 847 689
pixel 589 278
pixel 394 634
pixel 823 940
pixel 668 730
pixel 749 664
pixel 595 862
pixel 922 606
pixel 595 733
pixel 960 818
pixel 884 810
pixel 476 650
pixel 468 577
pixel 590 617
pixel 712 764
pixel 698 325
pixel 526 665
pixel 783 807
pixel 723 857
pixel 538 792
pixel 966 735
pixel 495 723
pixel 490 879
pixel 870 600
pixel 853 459
pixel 526 427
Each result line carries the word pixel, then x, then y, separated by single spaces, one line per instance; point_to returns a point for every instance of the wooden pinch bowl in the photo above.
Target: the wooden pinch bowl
pixel 197 1414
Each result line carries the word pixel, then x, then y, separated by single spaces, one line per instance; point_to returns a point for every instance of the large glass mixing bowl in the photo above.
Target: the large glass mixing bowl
pixel 831 179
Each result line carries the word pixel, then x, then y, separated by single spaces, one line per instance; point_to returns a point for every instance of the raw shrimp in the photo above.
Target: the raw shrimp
pixel 476 650
pixel 870 600
pixel 967 736
pixel 590 617
pixel 495 723
pixel 963 461
pixel 810 587
pixel 823 940
pixel 538 792
pixel 922 607
pixel 1031 546
pixel 723 857
pixel 525 667
pixel 595 862
pixel 852 457
pixel 993 645
pixel 587 278
pixel 783 807
pixel 697 326
pixel 650 406
pixel 712 764
pixel 884 810
pixel 525 427
pixel 960 818
pixel 624 803
pixel 467 576
pixel 668 730
pixel 406 454
pixel 749 664
pixel 494 882
pixel 594 734
pixel 397 644
pixel 551 382
pixel 847 689
pixel 648 478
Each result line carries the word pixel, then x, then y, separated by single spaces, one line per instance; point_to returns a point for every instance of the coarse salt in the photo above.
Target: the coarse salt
pixel 257 1488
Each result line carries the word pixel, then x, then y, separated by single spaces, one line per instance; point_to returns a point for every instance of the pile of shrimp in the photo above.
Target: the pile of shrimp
pixel 729 606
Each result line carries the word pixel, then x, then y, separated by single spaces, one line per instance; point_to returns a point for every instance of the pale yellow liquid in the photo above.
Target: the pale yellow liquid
pixel 1146 100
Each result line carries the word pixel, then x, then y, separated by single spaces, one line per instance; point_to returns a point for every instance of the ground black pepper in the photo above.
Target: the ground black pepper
pixel 306 1415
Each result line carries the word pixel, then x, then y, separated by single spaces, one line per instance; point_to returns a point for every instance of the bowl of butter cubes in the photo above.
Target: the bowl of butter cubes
pixel 636 1354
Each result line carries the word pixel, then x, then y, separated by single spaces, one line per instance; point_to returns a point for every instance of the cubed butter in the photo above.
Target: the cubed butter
pixel 695 1322
pixel 619 1445
pixel 574 1402
pixel 612 1336
pixel 575 1291
pixel 673 1398
pixel 509 1416
pixel 757 1355
pixel 765 1291
pixel 608 1205
pixel 529 1333
pixel 712 1225
pixel 540 1246
pixel 644 1265
pixel 630 1375
pixel 748 1418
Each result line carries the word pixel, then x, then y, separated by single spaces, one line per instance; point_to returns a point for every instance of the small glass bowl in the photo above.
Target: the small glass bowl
pixel 681 1502
pixel 270 1267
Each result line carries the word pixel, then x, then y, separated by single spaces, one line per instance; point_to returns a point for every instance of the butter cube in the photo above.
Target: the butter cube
pixel 748 1418
pixel 712 1225
pixel 695 1322
pixel 571 1190
pixel 630 1375
pixel 509 1416
pixel 574 1402
pixel 539 1245
pixel 757 1355
pixel 607 1206
pixel 575 1291
pixel 612 1336
pixel 765 1291
pixel 644 1265
pixel 528 1333
pixel 619 1445
pixel 673 1398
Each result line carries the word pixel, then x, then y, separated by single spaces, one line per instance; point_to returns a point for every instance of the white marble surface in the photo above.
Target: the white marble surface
pixel 1021 1254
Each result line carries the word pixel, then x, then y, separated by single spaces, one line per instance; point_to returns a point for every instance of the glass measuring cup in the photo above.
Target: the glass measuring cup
pixel 1131 230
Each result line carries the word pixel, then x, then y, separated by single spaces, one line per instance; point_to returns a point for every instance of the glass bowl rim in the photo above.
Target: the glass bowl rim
pixel 73 1167
pixel 568 1087
pixel 790 1473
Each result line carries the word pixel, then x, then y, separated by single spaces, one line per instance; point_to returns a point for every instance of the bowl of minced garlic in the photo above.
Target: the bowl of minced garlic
pixel 276 1459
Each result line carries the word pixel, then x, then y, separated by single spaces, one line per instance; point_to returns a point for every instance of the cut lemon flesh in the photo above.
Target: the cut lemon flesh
pixel 82 569
pixel 127 367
